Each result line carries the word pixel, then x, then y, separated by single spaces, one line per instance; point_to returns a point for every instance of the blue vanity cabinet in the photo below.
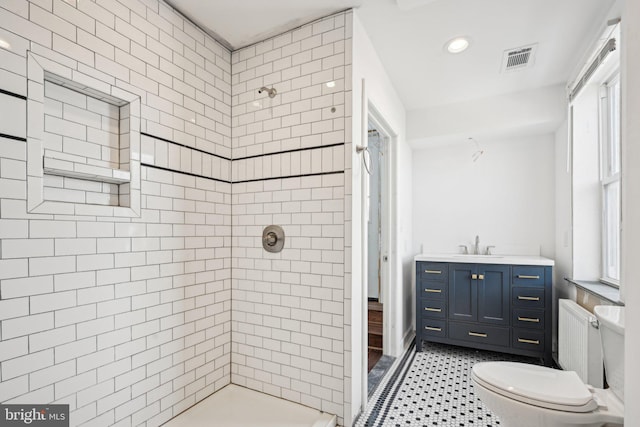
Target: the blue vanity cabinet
pixel 493 294
pixel 499 307
pixel 432 285
pixel 531 303
pixel 479 293
pixel 463 302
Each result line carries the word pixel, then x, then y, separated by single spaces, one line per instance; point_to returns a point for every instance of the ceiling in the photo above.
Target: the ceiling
pixel 411 44
pixel 409 36
pixel 240 23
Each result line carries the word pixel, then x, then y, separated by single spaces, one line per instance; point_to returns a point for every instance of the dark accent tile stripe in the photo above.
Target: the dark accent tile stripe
pixel 245 157
pixel 238 182
pixel 392 396
pixel 15 95
pixel 290 151
pixel 382 399
pixel 184 173
pixel 17 138
pixel 376 375
pixel 185 146
pixel 289 176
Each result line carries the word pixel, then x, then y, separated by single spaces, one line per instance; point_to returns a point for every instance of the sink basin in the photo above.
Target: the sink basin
pixel 485 259
pixel 477 256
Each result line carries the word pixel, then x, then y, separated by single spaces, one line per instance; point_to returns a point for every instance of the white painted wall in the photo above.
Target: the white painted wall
pixel 381 93
pixel 506 197
pixel 563 257
pixel 505 116
pixel 631 204
pixel 563 266
pixel 586 185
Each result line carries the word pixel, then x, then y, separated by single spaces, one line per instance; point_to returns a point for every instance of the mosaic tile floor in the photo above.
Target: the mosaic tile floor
pixel 433 388
pixel 376 375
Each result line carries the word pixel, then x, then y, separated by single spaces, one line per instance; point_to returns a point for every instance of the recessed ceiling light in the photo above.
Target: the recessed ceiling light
pixel 5 44
pixel 331 84
pixel 457 45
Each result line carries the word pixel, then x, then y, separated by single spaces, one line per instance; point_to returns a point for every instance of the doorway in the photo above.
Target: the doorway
pixel 377 253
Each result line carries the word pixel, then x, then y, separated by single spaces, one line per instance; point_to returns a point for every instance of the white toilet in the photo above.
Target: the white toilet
pixel 523 395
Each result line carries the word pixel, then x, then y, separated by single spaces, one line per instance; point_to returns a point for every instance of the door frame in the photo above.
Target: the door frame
pixel 388 295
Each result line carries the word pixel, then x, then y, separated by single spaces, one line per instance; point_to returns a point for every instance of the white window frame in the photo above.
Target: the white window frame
pixel 609 174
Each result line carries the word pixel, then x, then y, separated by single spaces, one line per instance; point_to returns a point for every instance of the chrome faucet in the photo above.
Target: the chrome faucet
pixel 476 247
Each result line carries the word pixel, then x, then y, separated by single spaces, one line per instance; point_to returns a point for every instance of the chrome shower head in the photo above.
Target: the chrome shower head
pixel 272 92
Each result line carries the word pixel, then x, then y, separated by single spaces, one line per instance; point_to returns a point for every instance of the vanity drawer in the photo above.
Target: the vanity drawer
pixel 479 333
pixel 432 271
pixel 528 275
pixel 433 308
pixel 434 328
pixel 528 339
pixel 527 318
pixel 527 297
pixel 432 289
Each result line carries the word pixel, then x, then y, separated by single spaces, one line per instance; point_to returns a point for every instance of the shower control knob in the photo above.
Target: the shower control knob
pixel 271 239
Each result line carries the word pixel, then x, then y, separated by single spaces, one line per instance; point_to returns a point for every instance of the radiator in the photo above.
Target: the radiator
pixel 579 347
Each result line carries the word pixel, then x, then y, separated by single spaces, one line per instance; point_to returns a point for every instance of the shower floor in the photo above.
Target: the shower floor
pixel 236 406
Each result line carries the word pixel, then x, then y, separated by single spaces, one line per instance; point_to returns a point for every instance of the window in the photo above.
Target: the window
pixel 610 179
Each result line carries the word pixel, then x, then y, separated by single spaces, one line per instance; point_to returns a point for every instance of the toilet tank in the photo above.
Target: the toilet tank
pixel 611 320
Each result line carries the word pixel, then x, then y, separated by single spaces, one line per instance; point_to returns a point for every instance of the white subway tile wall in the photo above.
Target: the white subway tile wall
pixel 288 312
pixel 84 128
pixel 14 121
pixel 168 155
pixel 129 319
pixel 290 309
pixel 82 132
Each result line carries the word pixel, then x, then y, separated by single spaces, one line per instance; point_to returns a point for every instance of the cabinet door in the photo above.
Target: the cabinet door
pixel 463 303
pixel 493 294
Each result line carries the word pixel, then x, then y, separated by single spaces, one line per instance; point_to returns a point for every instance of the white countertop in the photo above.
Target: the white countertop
pixel 486 259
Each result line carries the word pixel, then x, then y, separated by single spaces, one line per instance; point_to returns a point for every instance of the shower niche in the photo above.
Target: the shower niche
pixel 83 144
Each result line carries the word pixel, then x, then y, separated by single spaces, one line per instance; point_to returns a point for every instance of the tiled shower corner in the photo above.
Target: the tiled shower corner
pixel 133 303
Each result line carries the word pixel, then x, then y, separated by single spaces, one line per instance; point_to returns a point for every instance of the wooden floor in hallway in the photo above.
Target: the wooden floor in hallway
pixel 374 334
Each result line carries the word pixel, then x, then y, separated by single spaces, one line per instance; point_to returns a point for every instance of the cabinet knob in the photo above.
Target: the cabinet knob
pixel 474 277
pixel 480 276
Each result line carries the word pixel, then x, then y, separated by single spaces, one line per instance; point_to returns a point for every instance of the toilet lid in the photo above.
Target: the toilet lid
pixel 536 385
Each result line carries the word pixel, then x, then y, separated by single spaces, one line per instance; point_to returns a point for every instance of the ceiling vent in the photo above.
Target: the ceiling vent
pixel 519 58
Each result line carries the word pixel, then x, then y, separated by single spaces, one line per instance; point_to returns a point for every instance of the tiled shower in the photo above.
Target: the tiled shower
pixel 138 167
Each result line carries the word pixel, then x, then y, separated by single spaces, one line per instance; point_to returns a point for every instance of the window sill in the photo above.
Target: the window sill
pixel 598 289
